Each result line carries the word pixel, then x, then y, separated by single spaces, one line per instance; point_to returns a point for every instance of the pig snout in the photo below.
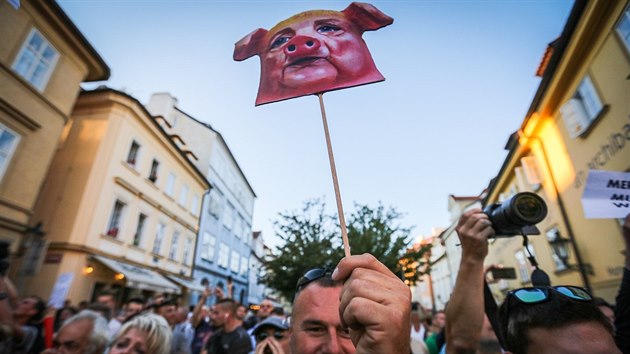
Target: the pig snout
pixel 301 46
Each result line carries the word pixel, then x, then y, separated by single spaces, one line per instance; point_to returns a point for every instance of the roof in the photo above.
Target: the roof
pixel 98 69
pixel 458 198
pixel 544 62
pixel 207 125
pixel 560 45
pixel 102 89
pixel 549 70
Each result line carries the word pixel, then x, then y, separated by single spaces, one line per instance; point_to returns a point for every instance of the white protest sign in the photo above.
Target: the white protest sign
pixel 60 290
pixel 606 195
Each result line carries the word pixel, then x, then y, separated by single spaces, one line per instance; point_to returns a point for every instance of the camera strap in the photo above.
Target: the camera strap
pixel 538 278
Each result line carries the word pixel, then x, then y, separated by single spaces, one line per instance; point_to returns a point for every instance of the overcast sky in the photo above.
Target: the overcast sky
pixel 460 76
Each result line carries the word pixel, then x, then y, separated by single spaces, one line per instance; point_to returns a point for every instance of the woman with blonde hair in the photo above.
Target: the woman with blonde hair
pixel 143 334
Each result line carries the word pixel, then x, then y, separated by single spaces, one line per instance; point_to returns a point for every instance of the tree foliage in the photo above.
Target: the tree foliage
pixel 312 238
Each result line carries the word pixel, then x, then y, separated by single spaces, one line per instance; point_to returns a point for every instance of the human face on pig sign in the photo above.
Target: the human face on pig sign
pixel 314 52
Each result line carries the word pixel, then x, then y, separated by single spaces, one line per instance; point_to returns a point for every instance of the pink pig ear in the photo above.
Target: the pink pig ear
pixel 250 45
pixel 366 16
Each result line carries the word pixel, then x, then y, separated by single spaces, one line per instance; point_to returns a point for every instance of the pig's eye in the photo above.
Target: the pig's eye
pixel 279 41
pixel 328 28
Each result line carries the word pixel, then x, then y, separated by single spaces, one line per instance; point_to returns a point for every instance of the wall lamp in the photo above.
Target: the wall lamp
pixel 88 270
pixel 561 248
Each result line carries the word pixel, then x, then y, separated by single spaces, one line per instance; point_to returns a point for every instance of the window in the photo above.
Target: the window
pixel 236 258
pixel 137 237
pixel 8 142
pixel 623 27
pixel 216 203
pixel 582 109
pixel 132 156
pixel 224 255
pixel 194 205
pixel 174 242
pixel 115 219
pixel 36 60
pixel 531 170
pixel 244 265
pixel 159 236
pixel 240 224
pixel 183 195
pixel 208 245
pixel 247 233
pixel 228 216
pixel 153 175
pixel 170 184
pixel 187 248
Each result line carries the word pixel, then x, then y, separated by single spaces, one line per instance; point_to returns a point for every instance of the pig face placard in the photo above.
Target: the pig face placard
pixel 313 52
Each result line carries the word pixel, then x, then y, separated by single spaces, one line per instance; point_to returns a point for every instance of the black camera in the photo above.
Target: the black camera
pixel 517 215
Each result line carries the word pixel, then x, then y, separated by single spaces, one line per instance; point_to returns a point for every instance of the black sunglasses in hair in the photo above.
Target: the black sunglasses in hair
pixel 278 335
pixel 311 276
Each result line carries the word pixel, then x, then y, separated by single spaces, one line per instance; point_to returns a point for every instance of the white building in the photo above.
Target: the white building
pixel 225 230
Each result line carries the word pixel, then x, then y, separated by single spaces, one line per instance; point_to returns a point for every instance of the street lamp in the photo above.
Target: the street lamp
pixel 561 247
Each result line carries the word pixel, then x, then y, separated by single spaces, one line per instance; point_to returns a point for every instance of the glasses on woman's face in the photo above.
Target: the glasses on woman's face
pixel 278 335
pixel 311 276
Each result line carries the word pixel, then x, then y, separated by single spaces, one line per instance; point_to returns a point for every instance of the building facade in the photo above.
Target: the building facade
pixel 258 291
pixel 579 121
pixel 43 59
pixel 223 253
pixel 112 215
pixel 440 274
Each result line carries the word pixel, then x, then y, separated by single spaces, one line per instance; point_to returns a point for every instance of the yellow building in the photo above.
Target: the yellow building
pixel 579 120
pixel 43 59
pixel 120 205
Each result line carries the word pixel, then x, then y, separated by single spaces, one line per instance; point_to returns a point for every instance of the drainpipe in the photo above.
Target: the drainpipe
pixel 203 204
pixel 581 266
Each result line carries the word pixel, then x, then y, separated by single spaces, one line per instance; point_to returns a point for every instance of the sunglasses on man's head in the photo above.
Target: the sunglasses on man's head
pixel 539 294
pixel 278 335
pixel 312 275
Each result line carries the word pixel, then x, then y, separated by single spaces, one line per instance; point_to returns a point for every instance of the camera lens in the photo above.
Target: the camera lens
pixel 529 207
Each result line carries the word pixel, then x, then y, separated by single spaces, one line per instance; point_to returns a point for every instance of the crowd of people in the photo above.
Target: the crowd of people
pixel 358 307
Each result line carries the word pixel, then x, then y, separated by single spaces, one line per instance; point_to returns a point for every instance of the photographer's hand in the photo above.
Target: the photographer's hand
pixel 464 314
pixel 474 228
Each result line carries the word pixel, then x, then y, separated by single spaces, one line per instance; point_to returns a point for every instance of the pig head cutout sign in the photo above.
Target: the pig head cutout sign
pixel 314 52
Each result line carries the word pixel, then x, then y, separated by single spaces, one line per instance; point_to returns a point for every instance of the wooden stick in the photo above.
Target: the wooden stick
pixel 333 170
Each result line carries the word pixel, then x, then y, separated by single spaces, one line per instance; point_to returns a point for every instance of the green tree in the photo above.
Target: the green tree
pixel 311 238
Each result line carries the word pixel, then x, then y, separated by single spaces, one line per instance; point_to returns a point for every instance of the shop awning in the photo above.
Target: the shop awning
pixel 139 277
pixel 190 285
